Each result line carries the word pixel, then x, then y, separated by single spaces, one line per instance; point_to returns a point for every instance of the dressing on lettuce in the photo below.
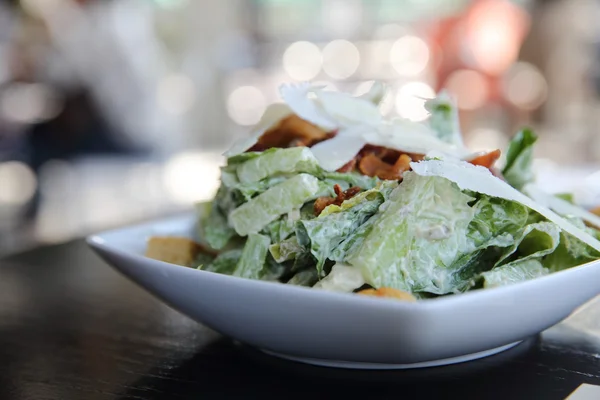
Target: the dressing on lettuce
pixel 317 213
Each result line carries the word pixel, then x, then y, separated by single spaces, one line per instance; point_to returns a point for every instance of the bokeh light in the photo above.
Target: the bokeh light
pixel 17 183
pixel 525 86
pixel 409 55
pixel 485 139
pixel 470 88
pixel 246 104
pixel 341 59
pixel 302 60
pixel 176 94
pixel 29 103
pixel 410 100
pixel 494 32
pixel 180 177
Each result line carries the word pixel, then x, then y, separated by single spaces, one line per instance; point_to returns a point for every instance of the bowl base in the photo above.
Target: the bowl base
pixel 382 366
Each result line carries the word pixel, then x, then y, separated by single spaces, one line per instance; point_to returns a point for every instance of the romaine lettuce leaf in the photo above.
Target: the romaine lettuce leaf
pixel 324 233
pixel 224 263
pixel 307 277
pixel 215 230
pixel 282 161
pixel 480 180
pixel 534 242
pixel 287 250
pixel 572 251
pixel 519 159
pixel 421 231
pixel 254 215
pixel 444 118
pixel 517 271
pixel 345 180
pixel 253 258
pixel 342 278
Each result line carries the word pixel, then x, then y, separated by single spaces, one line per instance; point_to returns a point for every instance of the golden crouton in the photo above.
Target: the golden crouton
pixel 388 292
pixel 174 250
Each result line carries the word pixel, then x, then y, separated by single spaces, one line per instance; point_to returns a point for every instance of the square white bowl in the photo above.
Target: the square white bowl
pixel 348 330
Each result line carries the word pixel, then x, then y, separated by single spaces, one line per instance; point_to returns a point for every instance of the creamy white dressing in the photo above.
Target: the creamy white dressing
pixel 481 180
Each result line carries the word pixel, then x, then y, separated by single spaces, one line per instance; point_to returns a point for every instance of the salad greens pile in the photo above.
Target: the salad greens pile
pixel 447 226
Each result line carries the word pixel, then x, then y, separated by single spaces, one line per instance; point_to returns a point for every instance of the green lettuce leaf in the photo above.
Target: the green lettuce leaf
pixel 519 159
pixel 342 278
pixel 347 179
pixel 214 228
pixel 572 251
pixel 254 215
pixel 307 277
pixel 324 233
pixel 224 263
pixel 280 162
pixel 421 231
pixel 253 258
pixel 514 272
pixel 444 118
pixel 287 250
pixel 534 242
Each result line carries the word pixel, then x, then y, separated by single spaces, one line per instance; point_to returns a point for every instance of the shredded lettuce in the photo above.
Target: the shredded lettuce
pixel 283 161
pixel 253 258
pixel 514 272
pixel 422 230
pixel 444 118
pixel 224 263
pixel 254 215
pixel 518 170
pixel 342 278
pixel 325 233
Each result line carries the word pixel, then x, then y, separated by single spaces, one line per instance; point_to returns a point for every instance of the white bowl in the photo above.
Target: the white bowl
pixel 347 330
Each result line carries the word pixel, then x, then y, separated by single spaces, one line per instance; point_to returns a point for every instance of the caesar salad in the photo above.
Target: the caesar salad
pixel 328 193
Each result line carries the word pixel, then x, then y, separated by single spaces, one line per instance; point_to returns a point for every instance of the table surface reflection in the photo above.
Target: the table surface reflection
pixel 73 328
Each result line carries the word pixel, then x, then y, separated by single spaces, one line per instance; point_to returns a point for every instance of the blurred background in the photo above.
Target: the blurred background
pixel 117 111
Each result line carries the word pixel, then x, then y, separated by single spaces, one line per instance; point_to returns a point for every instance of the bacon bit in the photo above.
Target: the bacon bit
pixel 389 293
pixel 348 167
pixel 487 160
pixel 596 211
pixel 290 128
pixel 372 165
pixel 322 202
pixel 416 157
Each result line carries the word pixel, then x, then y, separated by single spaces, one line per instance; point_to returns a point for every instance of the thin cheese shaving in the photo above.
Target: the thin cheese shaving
pixel 561 206
pixel 480 179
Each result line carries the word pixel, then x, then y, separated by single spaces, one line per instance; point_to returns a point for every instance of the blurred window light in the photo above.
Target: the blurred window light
pixel 29 103
pixel 410 100
pixel 470 88
pixel 192 176
pixel 409 55
pixel 246 104
pixel 340 59
pixel 17 183
pixel 485 139
pixel 176 94
pixel 495 29
pixel 302 60
pixel 525 86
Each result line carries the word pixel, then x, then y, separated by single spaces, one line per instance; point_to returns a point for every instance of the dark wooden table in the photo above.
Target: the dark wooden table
pixel 72 328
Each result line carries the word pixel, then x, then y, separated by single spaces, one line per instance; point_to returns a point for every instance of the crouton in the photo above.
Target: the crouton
pixel 174 250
